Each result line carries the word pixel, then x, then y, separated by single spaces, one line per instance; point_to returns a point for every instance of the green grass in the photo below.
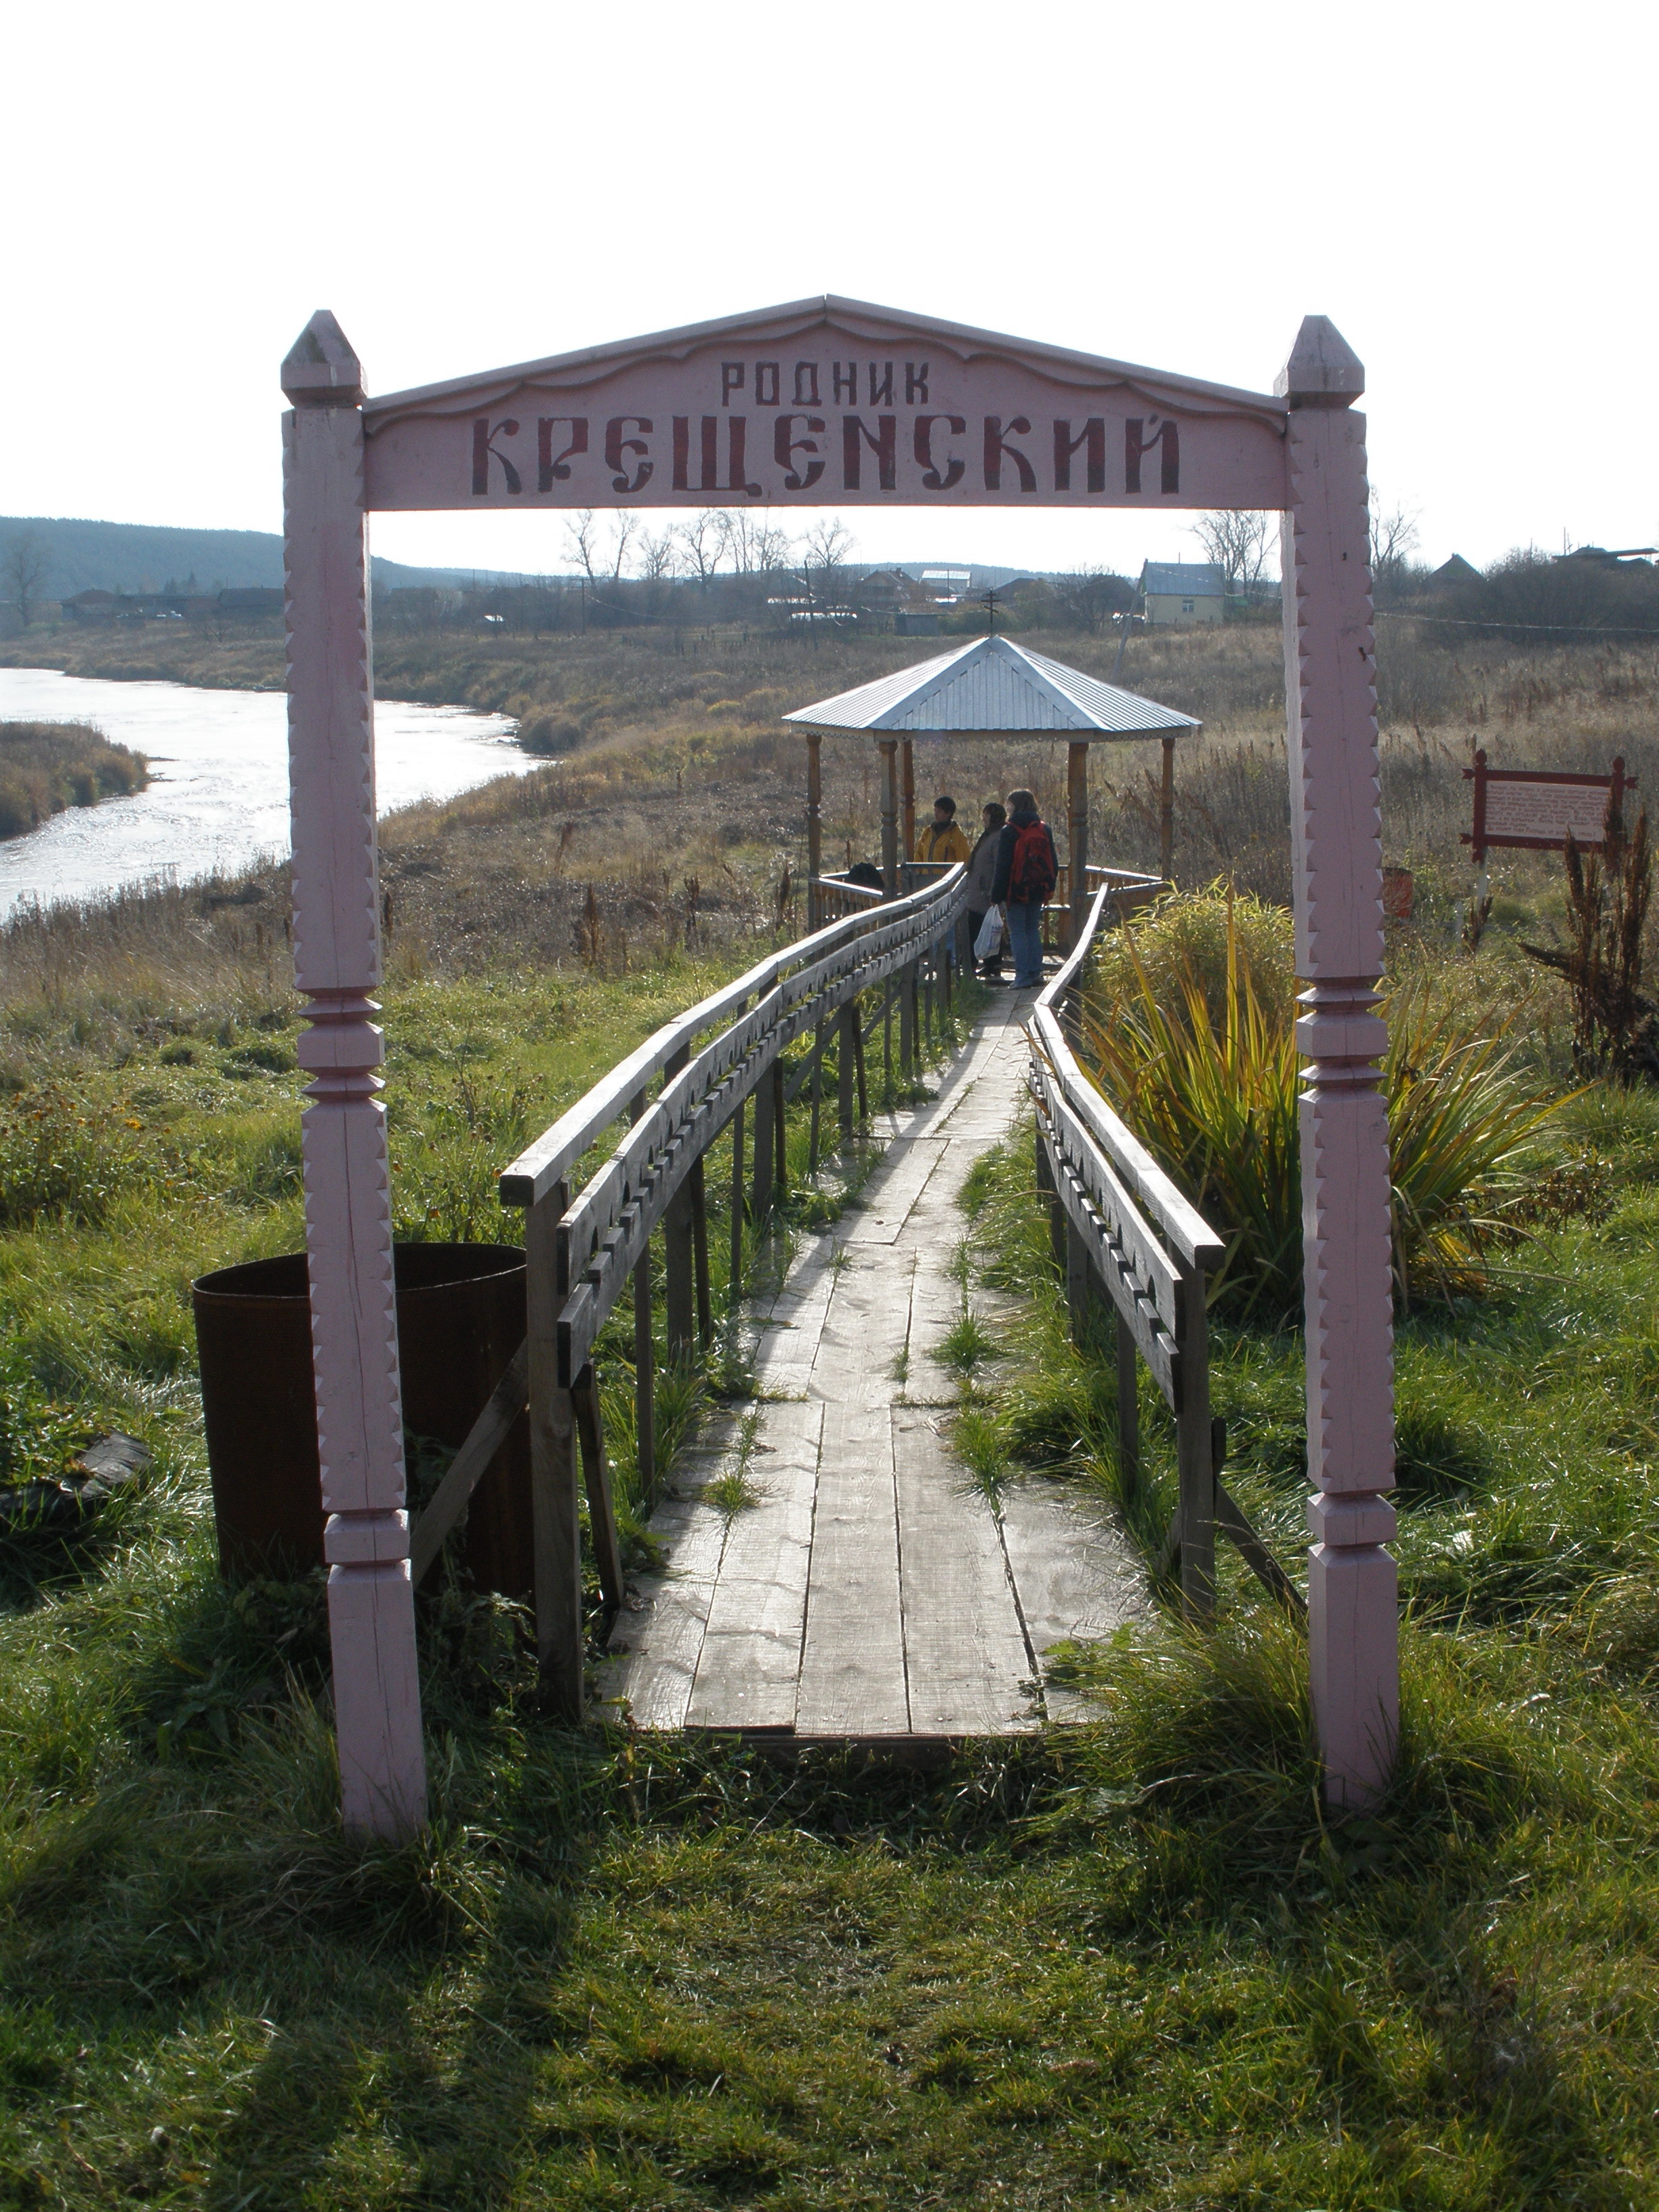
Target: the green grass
pixel 1130 1964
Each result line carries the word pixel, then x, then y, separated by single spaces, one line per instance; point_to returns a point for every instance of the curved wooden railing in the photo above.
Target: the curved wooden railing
pixel 679 1092
pixel 1124 1234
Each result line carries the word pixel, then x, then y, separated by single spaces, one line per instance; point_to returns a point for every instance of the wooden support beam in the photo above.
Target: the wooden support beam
pixel 780 1131
pixel 645 1356
pixel 819 1035
pixel 847 1058
pixel 1076 800
pixel 679 1296
pixel 554 1497
pixel 596 1477
pixel 1128 1411
pixel 814 828
pixel 908 754
pixel 348 1194
pixel 1077 1283
pixel 1166 811
pixel 698 1186
pixel 760 1186
pixel 470 1465
pixel 888 748
pixel 734 1281
pixel 1195 1469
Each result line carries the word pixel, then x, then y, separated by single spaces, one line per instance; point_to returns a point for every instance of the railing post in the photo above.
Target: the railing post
pixel 780 1131
pixel 760 1202
pixel 554 1476
pixel 908 1018
pixel 847 1059
pixel 1330 672
pixel 908 752
pixel 734 1286
pixel 1045 1183
pixel 700 1251
pixel 645 1355
pixel 1128 1411
pixel 1195 1466
pixel 678 1265
pixel 819 1037
pixel 348 1199
pixel 1077 1281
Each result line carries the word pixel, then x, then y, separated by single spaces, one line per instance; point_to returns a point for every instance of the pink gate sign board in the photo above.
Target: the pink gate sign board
pixel 834 402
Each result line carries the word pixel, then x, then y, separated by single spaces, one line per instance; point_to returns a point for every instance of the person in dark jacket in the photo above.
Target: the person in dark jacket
pixel 982 874
pixel 1023 890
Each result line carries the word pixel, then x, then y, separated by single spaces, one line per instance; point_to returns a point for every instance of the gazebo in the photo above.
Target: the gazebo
pixel 990 688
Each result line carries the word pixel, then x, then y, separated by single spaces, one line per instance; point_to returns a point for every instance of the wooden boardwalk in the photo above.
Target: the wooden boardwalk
pixel 870 1592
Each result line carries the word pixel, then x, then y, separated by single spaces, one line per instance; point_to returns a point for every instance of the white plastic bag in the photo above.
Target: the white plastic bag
pixel 988 943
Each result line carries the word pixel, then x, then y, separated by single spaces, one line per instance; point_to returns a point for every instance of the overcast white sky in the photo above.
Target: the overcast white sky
pixel 1465 188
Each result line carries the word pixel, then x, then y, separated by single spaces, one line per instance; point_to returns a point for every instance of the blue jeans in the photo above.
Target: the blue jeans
pixel 1025 935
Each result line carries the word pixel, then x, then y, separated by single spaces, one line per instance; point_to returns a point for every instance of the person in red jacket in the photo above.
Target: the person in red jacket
pixel 1027 871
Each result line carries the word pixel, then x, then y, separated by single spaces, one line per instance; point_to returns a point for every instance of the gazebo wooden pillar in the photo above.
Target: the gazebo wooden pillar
pixel 1077 801
pixel 814 826
pixel 890 853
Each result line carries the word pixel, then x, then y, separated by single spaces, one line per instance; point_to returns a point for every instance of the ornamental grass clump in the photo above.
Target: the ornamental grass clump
pixel 1189 1030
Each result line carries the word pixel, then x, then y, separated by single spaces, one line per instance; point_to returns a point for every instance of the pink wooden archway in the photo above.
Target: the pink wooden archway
pixel 830 401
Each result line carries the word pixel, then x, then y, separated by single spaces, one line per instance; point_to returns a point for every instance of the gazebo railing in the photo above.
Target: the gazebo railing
pixel 1125 1234
pixel 680 1091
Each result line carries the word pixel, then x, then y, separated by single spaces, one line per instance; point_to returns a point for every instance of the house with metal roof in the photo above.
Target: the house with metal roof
pixel 1182 592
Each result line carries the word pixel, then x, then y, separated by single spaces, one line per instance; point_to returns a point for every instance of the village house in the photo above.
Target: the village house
pixel 1182 592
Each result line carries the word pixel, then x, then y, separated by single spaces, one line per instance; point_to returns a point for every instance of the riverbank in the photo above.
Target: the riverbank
pixel 635 715
pixel 48 767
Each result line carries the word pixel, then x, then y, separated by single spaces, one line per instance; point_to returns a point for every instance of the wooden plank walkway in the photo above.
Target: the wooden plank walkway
pixel 871 1593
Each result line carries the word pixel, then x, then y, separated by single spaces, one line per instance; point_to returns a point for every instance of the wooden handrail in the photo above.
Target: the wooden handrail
pixel 1127 1232
pixel 543 1163
pixel 584 1247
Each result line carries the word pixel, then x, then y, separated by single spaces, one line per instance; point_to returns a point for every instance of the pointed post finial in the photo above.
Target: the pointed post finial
pixel 321 370
pixel 1323 369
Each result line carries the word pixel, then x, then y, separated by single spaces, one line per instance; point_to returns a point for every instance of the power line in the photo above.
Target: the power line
pixel 1553 629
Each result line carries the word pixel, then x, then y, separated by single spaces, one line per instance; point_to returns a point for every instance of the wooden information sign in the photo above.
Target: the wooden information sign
pixel 1534 810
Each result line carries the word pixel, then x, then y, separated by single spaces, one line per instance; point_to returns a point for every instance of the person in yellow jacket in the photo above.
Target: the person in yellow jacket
pixel 942 840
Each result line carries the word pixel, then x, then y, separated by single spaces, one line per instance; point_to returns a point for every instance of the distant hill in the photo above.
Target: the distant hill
pixel 141 557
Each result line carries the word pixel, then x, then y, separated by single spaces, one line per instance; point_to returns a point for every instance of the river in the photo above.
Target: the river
pixel 217 800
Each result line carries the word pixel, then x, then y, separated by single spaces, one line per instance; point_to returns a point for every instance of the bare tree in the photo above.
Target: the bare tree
pixel 1087 596
pixel 660 555
pixel 1392 541
pixel 701 541
pixel 1239 543
pixel 601 563
pixel 824 550
pixel 24 569
pixel 623 526
pixel 582 536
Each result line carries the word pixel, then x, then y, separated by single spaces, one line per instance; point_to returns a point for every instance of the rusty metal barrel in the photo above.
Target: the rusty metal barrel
pixel 460 1319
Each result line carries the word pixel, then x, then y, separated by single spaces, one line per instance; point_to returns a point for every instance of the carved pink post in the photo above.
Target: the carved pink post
pixel 1336 828
pixel 336 964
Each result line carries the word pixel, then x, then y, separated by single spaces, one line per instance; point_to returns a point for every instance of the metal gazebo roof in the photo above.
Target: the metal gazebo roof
pixel 993 685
